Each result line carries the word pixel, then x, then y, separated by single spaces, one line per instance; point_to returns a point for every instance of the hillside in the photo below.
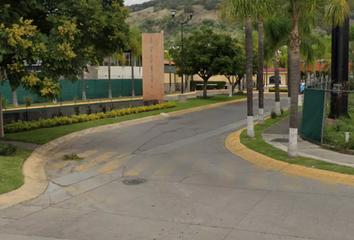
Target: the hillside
pixel 151 20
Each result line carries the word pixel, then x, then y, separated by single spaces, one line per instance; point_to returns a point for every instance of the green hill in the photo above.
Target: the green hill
pixel 155 16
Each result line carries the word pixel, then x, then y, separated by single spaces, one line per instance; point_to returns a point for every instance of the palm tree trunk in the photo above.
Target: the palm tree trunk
pixel 109 79
pixel 276 82
pixel 170 77
pixel 249 80
pixel 260 71
pixel 321 74
pixel 14 98
pixel 267 74
pixel 295 82
pixel 83 86
pixel 133 85
pixel 289 74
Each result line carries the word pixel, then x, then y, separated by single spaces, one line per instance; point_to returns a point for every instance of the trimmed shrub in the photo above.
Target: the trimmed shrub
pixel 4 102
pixel 7 149
pixel 280 90
pixel 61 121
pixel 273 115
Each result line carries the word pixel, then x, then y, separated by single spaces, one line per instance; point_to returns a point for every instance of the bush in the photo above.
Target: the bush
pixel 60 121
pixel 280 90
pixel 282 111
pixel 7 149
pixel 4 102
pixel 28 100
pixel 273 114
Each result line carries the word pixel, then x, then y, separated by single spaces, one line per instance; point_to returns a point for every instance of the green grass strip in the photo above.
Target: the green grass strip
pixel 11 177
pixel 44 135
pixel 259 145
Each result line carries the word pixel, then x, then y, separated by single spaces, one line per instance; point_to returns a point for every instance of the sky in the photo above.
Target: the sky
pixel 131 2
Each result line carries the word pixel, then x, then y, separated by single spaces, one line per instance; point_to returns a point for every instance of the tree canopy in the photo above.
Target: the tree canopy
pixel 62 36
pixel 208 54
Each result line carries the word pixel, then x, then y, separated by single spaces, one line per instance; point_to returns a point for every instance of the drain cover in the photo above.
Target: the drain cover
pixel 136 181
pixel 284 140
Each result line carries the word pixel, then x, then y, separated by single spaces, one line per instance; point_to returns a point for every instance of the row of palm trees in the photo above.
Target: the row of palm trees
pixel 283 22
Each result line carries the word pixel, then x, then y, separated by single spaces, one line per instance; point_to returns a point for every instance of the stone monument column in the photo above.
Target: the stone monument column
pixel 153 68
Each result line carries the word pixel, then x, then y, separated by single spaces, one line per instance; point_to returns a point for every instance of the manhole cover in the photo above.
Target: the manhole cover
pixel 136 181
pixel 284 140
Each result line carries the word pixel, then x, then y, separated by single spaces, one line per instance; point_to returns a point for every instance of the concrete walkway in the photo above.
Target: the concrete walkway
pixel 278 136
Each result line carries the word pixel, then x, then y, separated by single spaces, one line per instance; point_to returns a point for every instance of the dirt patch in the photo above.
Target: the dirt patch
pixel 331 122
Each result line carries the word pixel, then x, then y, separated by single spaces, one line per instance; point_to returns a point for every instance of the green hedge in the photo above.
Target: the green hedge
pixel 59 121
pixel 280 90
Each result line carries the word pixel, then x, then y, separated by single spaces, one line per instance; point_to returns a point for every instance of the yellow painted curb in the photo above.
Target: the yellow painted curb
pixel 234 145
pixel 35 180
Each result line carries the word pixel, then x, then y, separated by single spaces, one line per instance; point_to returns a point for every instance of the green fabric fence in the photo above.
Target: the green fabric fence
pixel 95 89
pixel 312 119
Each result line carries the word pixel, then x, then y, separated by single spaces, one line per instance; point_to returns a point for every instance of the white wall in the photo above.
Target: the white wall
pixel 119 72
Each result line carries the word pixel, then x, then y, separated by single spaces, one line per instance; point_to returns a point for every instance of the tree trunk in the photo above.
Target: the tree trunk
pixel 109 79
pixel 83 86
pixel 321 74
pixel 340 71
pixel 133 84
pixel 289 74
pixel 267 75
pixel 260 71
pixel 170 77
pixel 294 81
pixel 276 82
pixel 249 80
pixel 14 98
pixel 205 89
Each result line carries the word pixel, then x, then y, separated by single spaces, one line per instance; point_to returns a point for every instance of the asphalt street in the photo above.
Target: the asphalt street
pixel 173 179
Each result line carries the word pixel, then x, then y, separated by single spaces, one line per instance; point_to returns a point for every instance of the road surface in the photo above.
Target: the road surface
pixel 173 179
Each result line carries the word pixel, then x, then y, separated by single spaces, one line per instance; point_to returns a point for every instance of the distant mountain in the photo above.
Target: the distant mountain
pixel 155 16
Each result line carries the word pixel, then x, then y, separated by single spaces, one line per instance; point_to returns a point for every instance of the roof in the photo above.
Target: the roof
pixel 273 70
pixel 166 62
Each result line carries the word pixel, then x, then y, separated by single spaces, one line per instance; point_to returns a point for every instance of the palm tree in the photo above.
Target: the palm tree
pixel 277 29
pixel 335 12
pixel 135 50
pixel 242 10
pixel 109 79
pixel 168 57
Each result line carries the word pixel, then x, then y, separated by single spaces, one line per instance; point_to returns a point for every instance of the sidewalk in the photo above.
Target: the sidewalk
pixel 278 136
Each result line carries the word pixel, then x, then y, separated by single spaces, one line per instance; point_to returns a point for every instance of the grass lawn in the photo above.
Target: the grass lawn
pixel 260 146
pixel 334 134
pixel 44 135
pixel 11 176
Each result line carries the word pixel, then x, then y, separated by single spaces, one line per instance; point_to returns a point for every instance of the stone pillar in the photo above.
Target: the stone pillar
pixel 153 67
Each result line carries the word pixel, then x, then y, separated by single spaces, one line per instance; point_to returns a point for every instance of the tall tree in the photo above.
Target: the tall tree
pixel 277 29
pixel 64 36
pixel 135 50
pixel 335 12
pixel 206 54
pixel 242 10
pixel 168 57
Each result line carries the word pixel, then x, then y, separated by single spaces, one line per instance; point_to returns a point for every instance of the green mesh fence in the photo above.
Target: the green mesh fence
pixel 94 89
pixel 312 119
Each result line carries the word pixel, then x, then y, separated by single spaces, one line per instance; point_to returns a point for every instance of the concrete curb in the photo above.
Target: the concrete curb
pixel 35 180
pixel 234 145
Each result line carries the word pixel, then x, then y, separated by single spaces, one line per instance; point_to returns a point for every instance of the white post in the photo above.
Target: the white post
pixel 230 90
pixel 347 136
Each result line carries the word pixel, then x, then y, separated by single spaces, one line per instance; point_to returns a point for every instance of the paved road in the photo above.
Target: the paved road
pixel 190 188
